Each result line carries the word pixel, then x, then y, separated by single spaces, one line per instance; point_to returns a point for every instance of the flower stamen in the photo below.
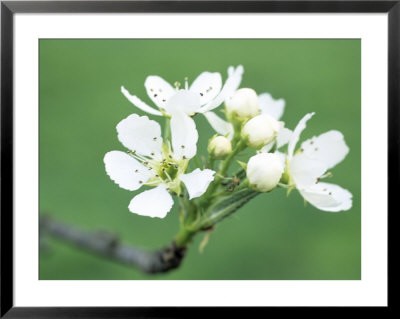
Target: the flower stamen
pixel 186 83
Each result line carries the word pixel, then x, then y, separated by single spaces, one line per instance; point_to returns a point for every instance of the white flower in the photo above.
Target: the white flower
pixel 260 130
pixel 205 94
pixel 274 108
pixel 219 147
pixel 267 105
pixel 153 163
pixel 264 171
pixel 243 105
pixel 307 166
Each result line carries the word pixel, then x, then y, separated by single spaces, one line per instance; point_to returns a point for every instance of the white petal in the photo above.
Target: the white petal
pixel 296 134
pixel 139 103
pixel 231 70
pixel 140 134
pixel 184 135
pixel 284 136
pixel 233 82
pixel 305 171
pixel 270 106
pixel 207 85
pixel 219 125
pixel 282 157
pixel 159 90
pixel 230 87
pixel 328 197
pixel 183 101
pixel 267 148
pixel 156 202
pixel 329 148
pixel 125 171
pixel 197 181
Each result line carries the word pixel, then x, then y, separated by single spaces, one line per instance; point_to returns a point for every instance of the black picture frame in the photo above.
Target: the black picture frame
pixel 9 8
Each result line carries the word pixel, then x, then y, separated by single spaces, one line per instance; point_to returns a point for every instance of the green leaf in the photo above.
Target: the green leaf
pixel 242 164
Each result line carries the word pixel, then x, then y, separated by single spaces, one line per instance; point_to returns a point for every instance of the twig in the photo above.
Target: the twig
pixel 109 246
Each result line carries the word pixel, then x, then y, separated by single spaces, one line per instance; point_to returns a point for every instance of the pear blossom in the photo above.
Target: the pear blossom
pixel 154 163
pixel 219 147
pixel 243 105
pixel 204 94
pixel 305 168
pixel 267 105
pixel 260 130
pixel 264 171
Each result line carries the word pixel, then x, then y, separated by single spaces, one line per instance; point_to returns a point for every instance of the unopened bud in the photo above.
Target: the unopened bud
pixel 264 171
pixel 219 147
pixel 260 131
pixel 243 105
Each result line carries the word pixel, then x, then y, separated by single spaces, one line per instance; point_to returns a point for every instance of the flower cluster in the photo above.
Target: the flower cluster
pixel 251 122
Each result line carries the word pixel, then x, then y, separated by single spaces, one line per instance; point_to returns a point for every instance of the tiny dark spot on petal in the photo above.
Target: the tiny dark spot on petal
pixel 201 94
pixel 155 95
pixel 316 149
pixel 330 193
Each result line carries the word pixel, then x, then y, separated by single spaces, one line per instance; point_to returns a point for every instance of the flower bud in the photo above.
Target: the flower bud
pixel 243 105
pixel 264 171
pixel 260 131
pixel 219 147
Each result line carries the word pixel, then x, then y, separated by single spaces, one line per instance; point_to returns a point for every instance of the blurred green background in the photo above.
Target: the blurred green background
pixel 272 237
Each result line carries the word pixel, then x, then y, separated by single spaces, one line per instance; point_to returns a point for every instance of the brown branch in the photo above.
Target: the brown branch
pixel 109 246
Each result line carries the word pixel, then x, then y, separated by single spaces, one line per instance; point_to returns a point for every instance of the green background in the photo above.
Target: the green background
pixel 272 237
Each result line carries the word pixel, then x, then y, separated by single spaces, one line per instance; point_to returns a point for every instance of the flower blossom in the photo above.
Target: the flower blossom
pixel 152 162
pixel 306 167
pixel 264 171
pixel 267 105
pixel 204 94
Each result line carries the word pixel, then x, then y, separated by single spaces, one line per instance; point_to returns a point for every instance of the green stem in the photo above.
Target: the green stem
pixel 242 185
pixel 167 129
pixel 211 162
pixel 196 162
pixel 183 238
pixel 222 171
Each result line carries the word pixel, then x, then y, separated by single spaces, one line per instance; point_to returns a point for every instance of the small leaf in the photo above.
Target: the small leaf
pixel 242 164
pixel 205 240
pixel 289 190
